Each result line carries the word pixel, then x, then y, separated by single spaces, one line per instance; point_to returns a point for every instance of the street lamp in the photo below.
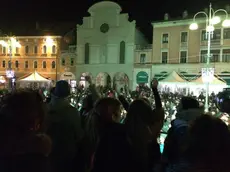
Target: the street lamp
pixel 11 43
pixel 211 20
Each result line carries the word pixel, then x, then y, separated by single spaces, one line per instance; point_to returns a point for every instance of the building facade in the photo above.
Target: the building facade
pixel 36 53
pixel 176 48
pixel 142 65
pixel 68 63
pixel 106 43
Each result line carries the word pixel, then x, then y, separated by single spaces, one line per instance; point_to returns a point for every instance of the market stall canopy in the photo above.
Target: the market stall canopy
pixel 35 77
pixel 215 81
pixel 173 78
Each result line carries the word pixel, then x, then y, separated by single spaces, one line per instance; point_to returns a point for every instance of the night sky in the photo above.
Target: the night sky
pixel 143 11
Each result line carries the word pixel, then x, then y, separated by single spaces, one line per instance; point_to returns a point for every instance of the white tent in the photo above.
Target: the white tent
pixel 198 85
pixel 174 83
pixel 173 78
pixel 35 77
pixel 215 81
pixel 34 80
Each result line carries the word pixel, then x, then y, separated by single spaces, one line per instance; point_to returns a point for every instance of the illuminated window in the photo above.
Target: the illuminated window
pixel 44 49
pixel 26 64
pixel 164 57
pixel 35 64
pixel 226 33
pixel 87 53
pixel 27 49
pixel 63 62
pixel 3 63
pixel 44 64
pixel 122 52
pixel 226 55
pixel 35 49
pixel 16 64
pixel 72 61
pixel 183 57
pixel 184 37
pixel 9 64
pixel 165 38
pixel 203 56
pixel 53 65
pixel 142 58
pixel 3 50
pixel 53 49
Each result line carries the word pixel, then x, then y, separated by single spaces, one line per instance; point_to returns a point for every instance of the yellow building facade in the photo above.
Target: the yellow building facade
pixel 35 53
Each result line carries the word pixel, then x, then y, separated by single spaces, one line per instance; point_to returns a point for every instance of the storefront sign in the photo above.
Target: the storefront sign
pixel 142 77
pixel 67 76
pixel 207 74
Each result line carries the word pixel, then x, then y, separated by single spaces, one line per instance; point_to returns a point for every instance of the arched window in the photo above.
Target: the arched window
pixel 35 64
pixel 27 49
pixel 3 50
pixel 44 49
pixel 53 49
pixel 72 61
pixel 122 52
pixel 87 53
pixel 53 65
pixel 35 49
pixel 63 62
pixel 16 64
pixel 26 64
pixel 3 63
pixel 9 64
pixel 44 64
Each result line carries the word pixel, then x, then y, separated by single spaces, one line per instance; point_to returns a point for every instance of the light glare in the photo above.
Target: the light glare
pixel 226 23
pixel 193 26
pixel 215 20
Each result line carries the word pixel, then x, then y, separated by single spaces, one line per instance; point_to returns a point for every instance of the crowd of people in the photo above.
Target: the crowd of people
pixel 106 131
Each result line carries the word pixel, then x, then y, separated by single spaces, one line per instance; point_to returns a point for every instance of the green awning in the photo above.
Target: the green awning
pixel 142 77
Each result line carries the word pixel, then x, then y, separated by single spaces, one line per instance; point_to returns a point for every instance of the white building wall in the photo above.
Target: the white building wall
pixel 105 47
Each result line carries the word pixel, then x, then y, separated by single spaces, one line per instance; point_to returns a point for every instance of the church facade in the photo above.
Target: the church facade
pixel 106 43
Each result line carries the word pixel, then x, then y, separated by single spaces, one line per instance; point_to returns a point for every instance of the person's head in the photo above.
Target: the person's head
pixel 22 112
pixel 138 120
pixel 109 110
pixel 209 140
pixel 62 89
pixel 187 103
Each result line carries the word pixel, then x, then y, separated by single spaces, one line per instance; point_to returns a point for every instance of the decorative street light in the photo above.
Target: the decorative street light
pixel 211 20
pixel 11 43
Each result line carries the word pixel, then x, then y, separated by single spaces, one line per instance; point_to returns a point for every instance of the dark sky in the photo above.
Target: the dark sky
pixel 143 11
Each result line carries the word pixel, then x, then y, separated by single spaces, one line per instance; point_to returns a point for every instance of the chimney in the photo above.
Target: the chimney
pixel 37 26
pixel 166 16
pixel 185 14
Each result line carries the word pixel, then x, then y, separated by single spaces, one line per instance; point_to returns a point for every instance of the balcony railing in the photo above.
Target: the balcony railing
pixel 144 47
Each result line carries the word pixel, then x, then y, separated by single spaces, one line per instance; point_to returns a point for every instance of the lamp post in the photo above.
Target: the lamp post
pixel 211 20
pixel 11 43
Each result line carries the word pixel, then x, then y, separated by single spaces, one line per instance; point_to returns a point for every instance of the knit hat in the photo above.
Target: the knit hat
pixel 62 89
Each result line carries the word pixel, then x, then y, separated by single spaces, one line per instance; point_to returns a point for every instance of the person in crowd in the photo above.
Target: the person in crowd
pixel 106 111
pixel 187 111
pixel 23 145
pixel 64 128
pixel 207 148
pixel 141 124
pixel 113 145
